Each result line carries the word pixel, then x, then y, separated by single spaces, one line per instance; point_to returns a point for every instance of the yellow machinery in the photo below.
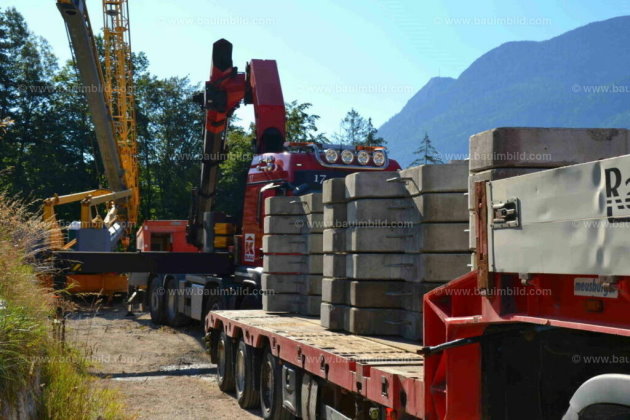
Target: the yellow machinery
pixel 111 103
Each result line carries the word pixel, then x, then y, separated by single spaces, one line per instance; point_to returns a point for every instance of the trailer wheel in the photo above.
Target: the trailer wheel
pixel 225 365
pixel 246 376
pixel 271 389
pixel 156 301
pixel 173 317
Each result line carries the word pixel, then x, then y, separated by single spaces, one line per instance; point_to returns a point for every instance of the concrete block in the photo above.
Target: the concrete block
pixel 491 175
pixel 334 191
pixel 449 177
pixel 284 205
pixel 425 237
pixel 333 317
pixel 301 264
pixel 442 207
pixel 312 203
pixel 294 303
pixel 303 284
pixel 334 240
pixel 379 212
pixel 293 244
pixel 370 321
pixel 293 225
pixel 335 215
pixel 531 147
pixel 334 265
pixel 374 185
pixel 335 290
pixel 408 267
pixel 386 294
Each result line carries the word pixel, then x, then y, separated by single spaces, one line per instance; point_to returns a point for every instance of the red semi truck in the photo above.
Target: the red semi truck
pixel 540 329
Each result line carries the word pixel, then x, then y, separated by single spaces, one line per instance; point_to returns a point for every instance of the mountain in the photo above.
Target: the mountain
pixel 578 79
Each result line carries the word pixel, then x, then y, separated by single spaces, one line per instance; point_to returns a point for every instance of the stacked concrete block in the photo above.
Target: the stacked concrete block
pixel 405 233
pixel 511 151
pixel 293 258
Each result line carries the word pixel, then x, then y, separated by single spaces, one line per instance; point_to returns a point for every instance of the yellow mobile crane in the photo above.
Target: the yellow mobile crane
pixel 111 104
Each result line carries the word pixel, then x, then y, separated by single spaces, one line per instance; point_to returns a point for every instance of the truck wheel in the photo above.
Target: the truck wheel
pixel 225 365
pixel 271 389
pixel 156 301
pixel 173 317
pixel 245 376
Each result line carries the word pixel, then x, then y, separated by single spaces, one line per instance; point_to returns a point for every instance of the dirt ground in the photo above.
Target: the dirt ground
pixel 163 373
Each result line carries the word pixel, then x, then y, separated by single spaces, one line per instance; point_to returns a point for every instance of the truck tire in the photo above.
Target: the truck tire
pixel 246 376
pixel 173 317
pixel 156 301
pixel 225 364
pixel 271 389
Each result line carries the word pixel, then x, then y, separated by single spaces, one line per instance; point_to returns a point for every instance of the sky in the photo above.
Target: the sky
pixel 371 55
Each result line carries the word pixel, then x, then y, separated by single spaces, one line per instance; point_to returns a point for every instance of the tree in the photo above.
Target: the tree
pixel 358 131
pixel 428 154
pixel 302 126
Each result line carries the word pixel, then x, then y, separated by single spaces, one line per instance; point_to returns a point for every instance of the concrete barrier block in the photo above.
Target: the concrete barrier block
pixel 407 267
pixel 333 317
pixel 303 284
pixel 334 265
pixel 294 303
pixel 442 207
pixel 335 215
pixel 374 185
pixel 386 294
pixel 293 225
pixel 334 191
pixel 301 264
pixel 449 177
pixel 396 322
pixel 382 212
pixel 293 244
pixel 544 147
pixel 334 240
pixel 335 290
pixel 284 205
pixel 283 283
pixel 424 237
pixel 312 203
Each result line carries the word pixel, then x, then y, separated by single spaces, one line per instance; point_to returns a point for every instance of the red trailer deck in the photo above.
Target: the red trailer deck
pixel 385 370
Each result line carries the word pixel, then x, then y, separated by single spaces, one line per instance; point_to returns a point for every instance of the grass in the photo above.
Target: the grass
pixel 31 359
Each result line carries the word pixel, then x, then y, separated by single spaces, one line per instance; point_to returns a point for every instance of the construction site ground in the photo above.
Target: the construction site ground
pixel 161 372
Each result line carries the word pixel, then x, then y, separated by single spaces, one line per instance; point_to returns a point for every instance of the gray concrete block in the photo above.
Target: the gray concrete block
pixel 379 212
pixel 442 207
pixel 335 215
pixel 544 147
pixel 334 317
pixel 293 225
pixel 424 237
pixel 449 177
pixel 311 243
pixel 374 185
pixel 408 267
pixel 303 284
pixel 334 191
pixel 302 264
pixel 334 265
pixel 294 303
pixel 312 203
pixel 334 240
pixel 370 321
pixel 335 290
pixel 386 294
pixel 491 175
pixel 284 205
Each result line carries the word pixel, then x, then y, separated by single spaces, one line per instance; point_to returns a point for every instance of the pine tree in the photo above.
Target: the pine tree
pixel 427 153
